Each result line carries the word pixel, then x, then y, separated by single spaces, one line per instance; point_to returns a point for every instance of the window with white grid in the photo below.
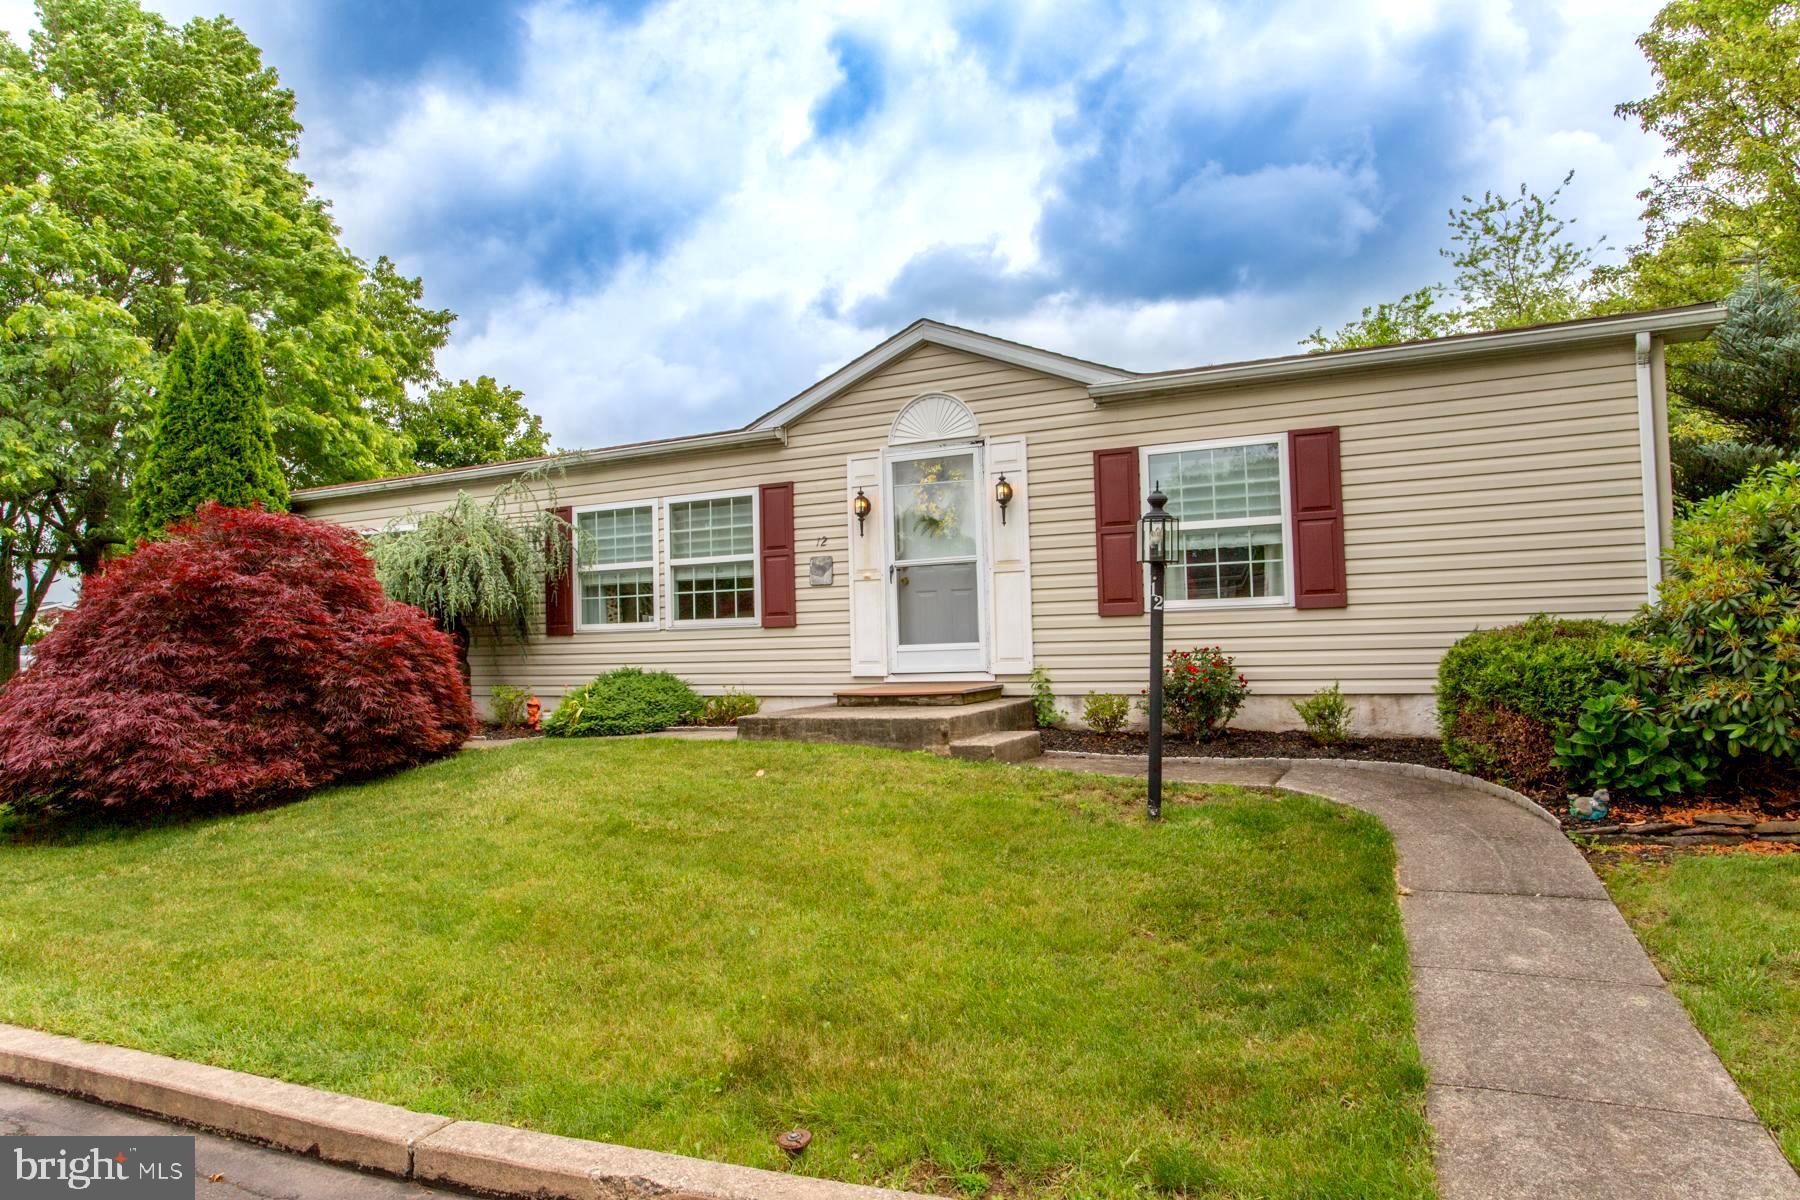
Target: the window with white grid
pixel 1231 500
pixel 712 558
pixel 615 566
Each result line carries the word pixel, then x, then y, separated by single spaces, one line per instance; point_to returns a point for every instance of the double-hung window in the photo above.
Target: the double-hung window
pixel 615 566
pixel 712 557
pixel 1231 499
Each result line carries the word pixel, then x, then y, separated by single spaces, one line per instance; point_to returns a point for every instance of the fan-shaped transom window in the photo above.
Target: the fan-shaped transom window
pixel 934 417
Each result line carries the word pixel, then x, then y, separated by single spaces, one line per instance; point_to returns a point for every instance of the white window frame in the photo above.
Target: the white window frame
pixel 655 621
pixel 1286 520
pixel 670 562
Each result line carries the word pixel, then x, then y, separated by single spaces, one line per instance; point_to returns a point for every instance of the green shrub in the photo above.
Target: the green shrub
pixel 727 708
pixel 1721 646
pixel 1620 743
pixel 1043 699
pixel 1326 715
pixel 507 703
pixel 1202 691
pixel 624 701
pixel 1504 693
pixel 1105 712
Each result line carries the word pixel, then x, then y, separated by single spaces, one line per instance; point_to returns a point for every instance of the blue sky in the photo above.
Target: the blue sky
pixel 666 217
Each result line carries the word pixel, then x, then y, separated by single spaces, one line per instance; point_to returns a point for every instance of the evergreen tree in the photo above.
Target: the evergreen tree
pixel 169 459
pixel 1750 387
pixel 213 440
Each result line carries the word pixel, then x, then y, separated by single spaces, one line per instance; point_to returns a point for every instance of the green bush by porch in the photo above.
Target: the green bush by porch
pixel 957 976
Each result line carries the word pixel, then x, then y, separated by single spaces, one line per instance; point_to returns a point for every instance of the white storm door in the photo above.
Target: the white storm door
pixel 936 586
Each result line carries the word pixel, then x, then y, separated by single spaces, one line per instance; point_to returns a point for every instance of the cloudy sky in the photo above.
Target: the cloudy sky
pixel 666 217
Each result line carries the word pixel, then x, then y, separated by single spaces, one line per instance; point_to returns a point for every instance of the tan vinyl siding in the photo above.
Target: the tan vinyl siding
pixel 1475 493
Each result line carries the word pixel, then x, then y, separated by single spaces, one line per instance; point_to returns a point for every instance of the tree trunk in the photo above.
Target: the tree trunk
pixel 459 632
pixel 9 660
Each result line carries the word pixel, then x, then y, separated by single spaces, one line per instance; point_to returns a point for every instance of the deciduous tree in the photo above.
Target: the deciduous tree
pixel 147 181
pixel 248 657
pixel 1727 103
pixel 469 423
pixel 1516 264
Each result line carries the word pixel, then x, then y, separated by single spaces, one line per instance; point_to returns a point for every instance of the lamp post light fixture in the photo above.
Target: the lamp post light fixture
pixel 1003 494
pixel 1156 546
pixel 860 506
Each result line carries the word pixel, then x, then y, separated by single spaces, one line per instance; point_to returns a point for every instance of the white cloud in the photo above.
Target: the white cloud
pixel 701 110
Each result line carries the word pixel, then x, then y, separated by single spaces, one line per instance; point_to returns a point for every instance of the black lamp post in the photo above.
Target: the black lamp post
pixel 1156 546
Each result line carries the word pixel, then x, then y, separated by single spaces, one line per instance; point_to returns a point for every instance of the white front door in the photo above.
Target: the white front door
pixel 937 623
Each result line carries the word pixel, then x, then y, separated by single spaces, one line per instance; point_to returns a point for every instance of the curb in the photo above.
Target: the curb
pixel 1376 766
pixel 473 1156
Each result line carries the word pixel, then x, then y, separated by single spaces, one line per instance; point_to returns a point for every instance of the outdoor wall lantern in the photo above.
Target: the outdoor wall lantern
pixel 1156 546
pixel 860 506
pixel 1003 495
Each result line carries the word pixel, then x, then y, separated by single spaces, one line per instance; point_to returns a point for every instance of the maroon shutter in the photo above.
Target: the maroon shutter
pixel 1116 504
pixel 776 528
pixel 1316 482
pixel 559 590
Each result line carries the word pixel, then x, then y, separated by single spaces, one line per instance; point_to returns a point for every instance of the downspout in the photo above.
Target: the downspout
pixel 1646 406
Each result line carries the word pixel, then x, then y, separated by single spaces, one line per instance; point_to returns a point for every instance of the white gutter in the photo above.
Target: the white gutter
pixel 1646 408
pixel 1695 321
pixel 574 458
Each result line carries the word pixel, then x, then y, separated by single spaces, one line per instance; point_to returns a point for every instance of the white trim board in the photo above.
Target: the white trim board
pixel 1649 472
pixel 553 462
pixel 1695 321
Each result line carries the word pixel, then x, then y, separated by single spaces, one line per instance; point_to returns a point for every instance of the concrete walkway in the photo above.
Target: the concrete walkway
pixel 244 1171
pixel 1561 1065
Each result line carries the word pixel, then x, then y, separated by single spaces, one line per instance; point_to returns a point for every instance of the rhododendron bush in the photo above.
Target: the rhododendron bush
pixel 248 657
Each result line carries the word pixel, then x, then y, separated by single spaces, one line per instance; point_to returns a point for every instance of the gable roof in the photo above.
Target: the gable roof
pixel 937 333
pixel 1106 384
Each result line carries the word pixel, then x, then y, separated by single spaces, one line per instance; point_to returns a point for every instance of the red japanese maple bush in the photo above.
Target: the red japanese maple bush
pixel 248 657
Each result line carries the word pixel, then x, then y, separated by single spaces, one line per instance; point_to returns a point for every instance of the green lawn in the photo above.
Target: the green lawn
pixel 1725 930
pixel 960 977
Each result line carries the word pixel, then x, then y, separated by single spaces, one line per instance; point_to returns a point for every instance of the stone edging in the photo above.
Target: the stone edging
pixel 495 1160
pixel 1414 770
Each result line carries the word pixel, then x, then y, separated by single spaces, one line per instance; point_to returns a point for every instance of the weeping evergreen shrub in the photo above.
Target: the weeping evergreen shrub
pixel 477 563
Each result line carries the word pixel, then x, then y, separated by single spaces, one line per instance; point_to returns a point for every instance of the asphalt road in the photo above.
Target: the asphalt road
pixel 245 1172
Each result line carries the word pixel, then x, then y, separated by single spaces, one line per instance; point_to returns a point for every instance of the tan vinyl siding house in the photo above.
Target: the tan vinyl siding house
pixel 1483 479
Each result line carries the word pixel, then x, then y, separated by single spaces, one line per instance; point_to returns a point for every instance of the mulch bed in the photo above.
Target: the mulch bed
pixel 505 733
pixel 1250 743
pixel 1762 799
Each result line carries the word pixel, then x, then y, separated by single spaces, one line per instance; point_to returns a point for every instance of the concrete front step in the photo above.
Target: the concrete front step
pixel 893 694
pixel 1011 745
pixel 905 727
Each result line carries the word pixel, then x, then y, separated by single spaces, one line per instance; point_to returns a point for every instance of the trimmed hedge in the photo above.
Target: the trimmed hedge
pixel 628 700
pixel 1504 694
